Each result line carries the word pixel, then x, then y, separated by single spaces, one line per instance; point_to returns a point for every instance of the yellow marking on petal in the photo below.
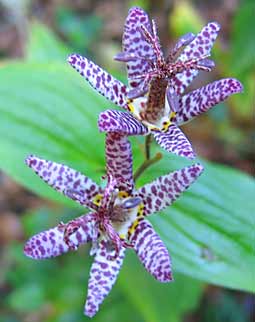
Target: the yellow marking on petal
pixel 132 229
pixel 122 236
pixel 172 115
pixel 131 107
pixel 97 199
pixel 150 127
pixel 139 215
pixel 123 194
pixel 166 124
pixel 140 210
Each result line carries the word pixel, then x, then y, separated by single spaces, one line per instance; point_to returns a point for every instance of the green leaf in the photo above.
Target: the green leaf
pixel 32 293
pixel 240 59
pixel 184 18
pixel 62 282
pixel 210 229
pixel 80 30
pixel 49 110
pixel 243 41
pixel 156 301
pixel 43 45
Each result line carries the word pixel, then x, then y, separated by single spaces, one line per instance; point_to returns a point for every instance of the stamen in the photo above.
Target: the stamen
pixel 137 92
pixel 76 195
pixel 127 57
pixel 69 230
pixel 131 203
pixel 173 99
pixel 180 66
pixel 208 63
pixel 182 42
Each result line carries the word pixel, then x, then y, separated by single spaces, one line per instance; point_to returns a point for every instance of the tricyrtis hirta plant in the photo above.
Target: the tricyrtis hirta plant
pixel 117 218
pixel 155 103
pixel 155 97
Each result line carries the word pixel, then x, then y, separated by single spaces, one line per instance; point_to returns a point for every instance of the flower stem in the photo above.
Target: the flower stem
pixel 148 160
pixel 148 141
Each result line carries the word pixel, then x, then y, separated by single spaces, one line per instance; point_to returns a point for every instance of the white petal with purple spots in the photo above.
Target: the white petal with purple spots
pixel 173 140
pixel 200 47
pixel 163 191
pixel 119 160
pixel 134 42
pixel 120 122
pixel 100 80
pixel 70 182
pixel 152 251
pixel 103 274
pixel 202 99
pixel 60 239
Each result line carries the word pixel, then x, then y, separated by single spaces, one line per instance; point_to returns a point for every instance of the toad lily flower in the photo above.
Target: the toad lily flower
pixel 155 96
pixel 117 218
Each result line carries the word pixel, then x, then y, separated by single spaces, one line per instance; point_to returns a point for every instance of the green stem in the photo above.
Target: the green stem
pixel 146 164
pixel 148 141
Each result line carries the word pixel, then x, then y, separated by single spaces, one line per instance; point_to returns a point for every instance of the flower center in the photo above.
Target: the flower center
pixel 117 210
pixel 150 101
pixel 155 117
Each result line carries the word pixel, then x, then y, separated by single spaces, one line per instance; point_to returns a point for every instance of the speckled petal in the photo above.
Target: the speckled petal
pixel 200 46
pixel 71 183
pixel 202 99
pixel 175 141
pixel 119 162
pixel 103 274
pixel 121 122
pixel 100 80
pixel 134 43
pixel 152 251
pixel 163 191
pixel 61 239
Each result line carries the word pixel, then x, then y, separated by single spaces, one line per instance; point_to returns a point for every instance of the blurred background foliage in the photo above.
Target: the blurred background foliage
pixel 48 110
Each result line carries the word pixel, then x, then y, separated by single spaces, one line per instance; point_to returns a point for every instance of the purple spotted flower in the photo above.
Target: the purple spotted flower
pixel 117 219
pixel 155 98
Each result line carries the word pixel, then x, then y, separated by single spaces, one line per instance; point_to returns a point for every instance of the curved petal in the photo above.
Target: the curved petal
pixel 163 191
pixel 103 274
pixel 202 99
pixel 100 80
pixel 120 122
pixel 200 47
pixel 175 141
pixel 152 251
pixel 70 182
pixel 61 239
pixel 133 42
pixel 119 162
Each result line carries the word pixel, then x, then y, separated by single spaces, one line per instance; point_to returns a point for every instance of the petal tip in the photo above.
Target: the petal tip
pixel 168 278
pixel 72 59
pixel 27 250
pixel 31 160
pixel 88 311
pixel 189 154
pixel 214 25
pixel 197 168
pixel 239 86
